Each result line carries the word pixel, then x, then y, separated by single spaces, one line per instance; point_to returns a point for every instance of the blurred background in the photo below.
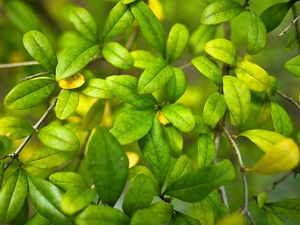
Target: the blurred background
pixel 18 17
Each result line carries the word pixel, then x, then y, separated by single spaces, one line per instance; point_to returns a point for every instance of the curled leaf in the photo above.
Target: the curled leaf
pixel 72 82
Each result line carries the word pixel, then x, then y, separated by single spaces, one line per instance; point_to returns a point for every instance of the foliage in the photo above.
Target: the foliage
pixel 119 140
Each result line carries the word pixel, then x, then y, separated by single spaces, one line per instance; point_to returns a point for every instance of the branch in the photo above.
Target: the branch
pixel 243 174
pixel 35 75
pixel 36 126
pixel 279 181
pixel 289 99
pixel 12 65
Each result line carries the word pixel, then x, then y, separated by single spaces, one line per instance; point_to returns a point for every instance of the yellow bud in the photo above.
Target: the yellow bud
pixel 162 119
pixel 72 82
pixel 157 9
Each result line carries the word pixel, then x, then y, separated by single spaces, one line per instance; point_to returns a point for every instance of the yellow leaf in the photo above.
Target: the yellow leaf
pixel 72 82
pixel 157 9
pixel 162 119
pixel 133 158
pixel 233 219
pixel 282 157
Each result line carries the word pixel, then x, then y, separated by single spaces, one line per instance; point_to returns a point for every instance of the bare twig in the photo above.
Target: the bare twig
pixel 132 38
pixel 184 66
pixel 289 26
pixel 289 99
pixel 12 65
pixel 279 181
pixel 36 126
pixel 243 174
pixel 35 75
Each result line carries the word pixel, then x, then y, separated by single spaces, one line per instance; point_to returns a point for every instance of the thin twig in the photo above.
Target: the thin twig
pixel 289 26
pixel 295 15
pixel 279 181
pixel 184 66
pixel 36 126
pixel 289 99
pixel 132 38
pixel 250 218
pixel 35 75
pixel 12 65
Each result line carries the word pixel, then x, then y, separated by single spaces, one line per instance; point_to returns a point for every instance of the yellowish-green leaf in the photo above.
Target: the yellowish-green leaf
pixel 66 104
pixel 281 120
pixel 72 82
pixel 293 66
pixel 200 36
pixel 97 88
pixel 142 59
pixel 236 219
pixel 15 127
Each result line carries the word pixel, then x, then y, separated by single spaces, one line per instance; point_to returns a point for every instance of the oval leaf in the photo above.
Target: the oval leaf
pixel 68 180
pixel 66 104
pixel 293 66
pixel 142 59
pixel 174 139
pixel 15 127
pixel 72 82
pixel 200 36
pixel 97 88
pixel 206 151
pixel 281 120
pixel 176 86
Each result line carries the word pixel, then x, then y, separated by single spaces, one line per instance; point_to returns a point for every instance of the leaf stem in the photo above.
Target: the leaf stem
pixel 12 65
pixel 36 126
pixel 80 155
pixel 289 99
pixel 279 181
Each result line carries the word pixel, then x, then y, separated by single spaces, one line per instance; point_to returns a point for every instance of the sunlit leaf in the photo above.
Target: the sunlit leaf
pixel 72 82
pixel 200 36
pixel 15 127
pixel 142 59
pixel 293 66
pixel 68 180
pixel 66 104
pixel 94 115
pixel 206 151
pixel 174 139
pixel 97 88
pixel 182 166
pixel 38 219
pixel 236 219
pixel 288 208
pixel 281 120
pixel 176 85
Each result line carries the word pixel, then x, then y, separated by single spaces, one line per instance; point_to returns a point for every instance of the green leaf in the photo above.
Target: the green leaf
pixel 158 213
pixel 150 27
pixel 132 124
pixel 221 49
pixel 142 59
pixel 288 208
pixel 59 137
pixel 12 196
pixel 66 104
pixel 221 11
pixel 208 68
pixel 273 220
pixel 264 139
pixel 38 219
pixel 174 139
pixel 255 77
pixel 277 12
pixel 29 93
pixel 176 85
pixel 200 36
pixel 68 180
pixel 257 34
pixel 214 109
pixel 237 97
pixel 84 23
pixel 181 219
pixel 94 116
pixel 281 120
pixel 262 198
pixel 177 41
pixel 154 77
pixel 139 169
pixel 195 186
pixel 118 21
pixel 139 195
pixel 76 199
pixel 182 166
pixel 39 47
pixel 206 151
pixel 15 127
pixel 21 15
pixel 235 218
pixel 46 158
pixel 75 58
pixel 117 55
pixel 97 88
pixel 107 215
pixel 22 216
pixel 180 116
pixel 46 199
pixel 104 152
pixel 293 66
pixel 125 87
pixel 156 151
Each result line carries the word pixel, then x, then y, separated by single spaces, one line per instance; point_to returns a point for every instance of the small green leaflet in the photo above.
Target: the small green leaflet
pixel 195 186
pixel 221 49
pixel 117 55
pixel 138 169
pixel 118 21
pixel 40 49
pixel 174 139
pixel 255 77
pixel 200 36
pixel 151 28
pixel 104 151
pixel 12 196
pixel 154 77
pixel 208 68
pixel 221 11
pixel 156 151
pixel 75 58
pixel 281 120
pixel 182 219
pixel 66 104
pixel 59 137
pixel 176 85
pixel 262 198
pixel 180 116
pixel 206 151
pixel 38 219
pixel 125 87
pixel 142 59
pixel 68 180
pixel 94 115
pixel 288 208
pixel 257 34
pixel 140 193
pixel 237 97
pixel 84 23
pixel 177 41
pixel 214 109
pixel 30 93
pixel 15 127
pixel 293 66
pixel 132 124
pixel 97 88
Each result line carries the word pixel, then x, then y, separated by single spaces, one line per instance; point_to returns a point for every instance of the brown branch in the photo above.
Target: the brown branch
pixel 289 99
pixel 20 64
